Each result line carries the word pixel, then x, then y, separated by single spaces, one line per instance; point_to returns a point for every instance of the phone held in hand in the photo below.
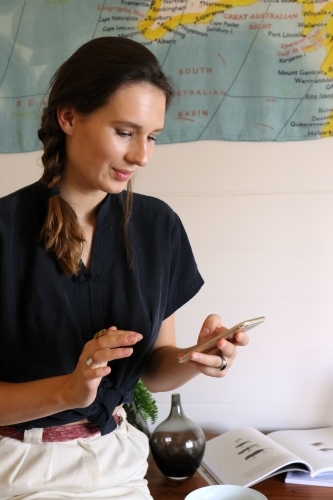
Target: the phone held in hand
pixel 208 346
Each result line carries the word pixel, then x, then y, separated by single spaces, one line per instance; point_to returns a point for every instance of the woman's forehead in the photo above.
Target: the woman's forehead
pixel 138 103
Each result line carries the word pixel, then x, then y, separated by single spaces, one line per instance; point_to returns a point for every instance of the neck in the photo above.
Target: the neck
pixel 84 204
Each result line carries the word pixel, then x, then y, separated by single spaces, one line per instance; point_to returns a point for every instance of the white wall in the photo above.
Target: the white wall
pixel 260 220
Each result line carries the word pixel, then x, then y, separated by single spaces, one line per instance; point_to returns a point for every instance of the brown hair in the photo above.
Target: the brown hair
pixel 86 81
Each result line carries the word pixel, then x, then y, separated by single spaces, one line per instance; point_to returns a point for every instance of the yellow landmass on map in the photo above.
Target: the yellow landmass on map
pixel 318 28
pixel 154 32
pixel 327 131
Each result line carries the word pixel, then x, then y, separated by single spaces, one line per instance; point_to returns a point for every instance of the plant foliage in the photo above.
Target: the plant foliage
pixel 145 402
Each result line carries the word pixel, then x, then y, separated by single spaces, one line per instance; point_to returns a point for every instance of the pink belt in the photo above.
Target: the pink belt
pixel 59 433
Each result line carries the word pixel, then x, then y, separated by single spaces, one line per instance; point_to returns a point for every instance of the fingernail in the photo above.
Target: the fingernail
pixel 134 338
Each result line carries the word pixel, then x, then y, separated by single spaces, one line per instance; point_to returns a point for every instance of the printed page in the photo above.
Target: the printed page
pixel 315 446
pixel 294 477
pixel 245 456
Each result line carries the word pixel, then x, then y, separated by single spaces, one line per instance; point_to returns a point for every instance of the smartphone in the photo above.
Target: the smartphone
pixel 229 334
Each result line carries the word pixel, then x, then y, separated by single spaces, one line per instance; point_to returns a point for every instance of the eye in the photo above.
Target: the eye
pixel 122 133
pixel 151 138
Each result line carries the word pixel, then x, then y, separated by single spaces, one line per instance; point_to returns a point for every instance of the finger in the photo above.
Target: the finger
pixel 109 346
pixel 97 372
pixel 210 324
pixel 117 338
pixel 227 348
pixel 241 338
pixel 104 356
pixel 90 363
pixel 209 366
pixel 208 360
pixel 112 328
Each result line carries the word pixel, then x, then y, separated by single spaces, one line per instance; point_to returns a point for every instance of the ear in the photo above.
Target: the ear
pixel 66 116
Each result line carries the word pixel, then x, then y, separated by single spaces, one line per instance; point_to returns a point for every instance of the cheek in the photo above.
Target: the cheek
pixel 83 145
pixel 109 148
pixel 150 150
pixel 96 152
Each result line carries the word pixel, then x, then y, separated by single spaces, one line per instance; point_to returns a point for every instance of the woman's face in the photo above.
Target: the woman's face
pixel 106 148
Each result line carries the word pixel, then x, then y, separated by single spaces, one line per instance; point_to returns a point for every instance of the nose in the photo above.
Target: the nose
pixel 137 153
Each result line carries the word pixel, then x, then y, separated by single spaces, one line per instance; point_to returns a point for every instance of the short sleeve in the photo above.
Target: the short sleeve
pixel 185 280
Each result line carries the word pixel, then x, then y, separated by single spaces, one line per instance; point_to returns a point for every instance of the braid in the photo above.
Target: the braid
pixel 61 233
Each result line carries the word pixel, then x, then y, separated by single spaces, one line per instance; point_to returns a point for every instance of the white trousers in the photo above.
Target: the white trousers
pixel 100 467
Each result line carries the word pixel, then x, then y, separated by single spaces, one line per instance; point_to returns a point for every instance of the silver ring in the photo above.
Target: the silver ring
pixel 223 364
pixel 90 362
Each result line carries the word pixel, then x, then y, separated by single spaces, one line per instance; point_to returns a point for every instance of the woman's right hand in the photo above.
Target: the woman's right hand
pixel 24 401
pixel 82 384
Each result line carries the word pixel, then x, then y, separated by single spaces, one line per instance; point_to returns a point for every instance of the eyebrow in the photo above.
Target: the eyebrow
pixel 134 125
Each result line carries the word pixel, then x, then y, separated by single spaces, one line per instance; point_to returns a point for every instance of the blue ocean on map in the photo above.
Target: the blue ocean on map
pixel 251 70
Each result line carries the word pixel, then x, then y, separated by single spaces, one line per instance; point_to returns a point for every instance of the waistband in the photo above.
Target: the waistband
pixel 58 433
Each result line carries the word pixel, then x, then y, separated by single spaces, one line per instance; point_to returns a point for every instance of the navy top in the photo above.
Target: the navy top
pixel 47 317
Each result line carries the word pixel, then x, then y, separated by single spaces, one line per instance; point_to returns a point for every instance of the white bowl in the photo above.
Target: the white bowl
pixel 225 492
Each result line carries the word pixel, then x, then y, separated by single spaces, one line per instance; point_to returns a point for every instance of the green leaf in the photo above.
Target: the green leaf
pixel 145 402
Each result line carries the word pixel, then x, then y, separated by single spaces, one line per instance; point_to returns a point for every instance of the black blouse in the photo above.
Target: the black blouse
pixel 47 317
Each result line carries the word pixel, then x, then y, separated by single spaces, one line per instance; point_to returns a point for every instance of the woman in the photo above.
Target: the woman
pixel 80 254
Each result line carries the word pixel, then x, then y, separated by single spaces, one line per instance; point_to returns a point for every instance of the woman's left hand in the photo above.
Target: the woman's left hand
pixel 208 364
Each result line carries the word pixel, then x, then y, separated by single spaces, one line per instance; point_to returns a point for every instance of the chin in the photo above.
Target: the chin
pixel 116 189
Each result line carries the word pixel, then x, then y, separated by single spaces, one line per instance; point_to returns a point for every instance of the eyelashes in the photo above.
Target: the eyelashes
pixel 123 133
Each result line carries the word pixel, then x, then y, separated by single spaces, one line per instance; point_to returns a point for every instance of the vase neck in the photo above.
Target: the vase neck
pixel 176 406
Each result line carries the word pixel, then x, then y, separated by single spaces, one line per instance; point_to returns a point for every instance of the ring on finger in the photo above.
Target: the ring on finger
pixel 90 362
pixel 223 364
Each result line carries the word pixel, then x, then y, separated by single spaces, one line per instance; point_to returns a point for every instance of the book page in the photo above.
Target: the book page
pixel 315 446
pixel 245 456
pixel 325 479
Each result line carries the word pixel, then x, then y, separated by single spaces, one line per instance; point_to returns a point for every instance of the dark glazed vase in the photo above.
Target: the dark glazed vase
pixel 177 444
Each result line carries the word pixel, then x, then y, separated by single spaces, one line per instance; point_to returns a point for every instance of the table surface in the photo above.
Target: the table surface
pixel 274 488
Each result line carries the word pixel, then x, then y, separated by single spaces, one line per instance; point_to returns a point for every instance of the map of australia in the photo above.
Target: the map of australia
pixel 244 70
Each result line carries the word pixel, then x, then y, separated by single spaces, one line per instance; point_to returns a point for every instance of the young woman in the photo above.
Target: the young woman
pixel 80 254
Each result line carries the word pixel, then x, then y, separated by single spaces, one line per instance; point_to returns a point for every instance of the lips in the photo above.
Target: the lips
pixel 122 175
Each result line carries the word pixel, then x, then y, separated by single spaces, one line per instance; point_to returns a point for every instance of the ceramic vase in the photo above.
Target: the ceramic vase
pixel 177 444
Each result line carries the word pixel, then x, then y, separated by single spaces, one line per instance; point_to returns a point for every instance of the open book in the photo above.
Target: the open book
pixel 246 456
pixel 298 477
